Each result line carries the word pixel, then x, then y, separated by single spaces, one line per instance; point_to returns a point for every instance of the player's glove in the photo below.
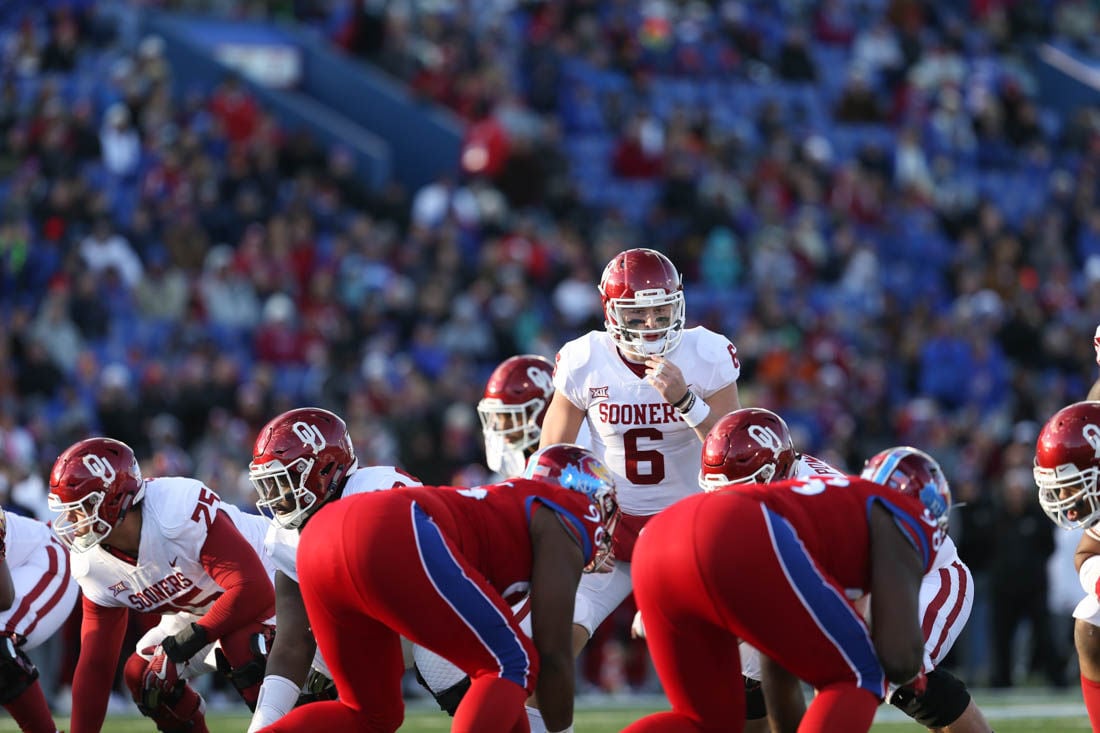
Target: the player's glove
pixel 185 644
pixel 162 676
pixel 910 691
pixel 3 535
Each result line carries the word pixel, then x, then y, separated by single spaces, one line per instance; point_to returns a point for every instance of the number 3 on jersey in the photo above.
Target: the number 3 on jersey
pixel 637 459
pixel 204 509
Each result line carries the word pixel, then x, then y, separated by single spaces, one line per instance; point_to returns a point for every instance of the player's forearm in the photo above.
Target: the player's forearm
pixel 7 587
pixel 290 656
pixel 555 690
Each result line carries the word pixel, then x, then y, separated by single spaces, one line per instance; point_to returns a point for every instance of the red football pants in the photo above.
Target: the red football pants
pixel 375 567
pixel 705 579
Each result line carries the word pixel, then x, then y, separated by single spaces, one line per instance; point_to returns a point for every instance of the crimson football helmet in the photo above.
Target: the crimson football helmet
pixel 512 410
pixel 93 484
pixel 301 458
pixel 1067 462
pixel 914 473
pixel 747 446
pixel 637 283
pixel 577 468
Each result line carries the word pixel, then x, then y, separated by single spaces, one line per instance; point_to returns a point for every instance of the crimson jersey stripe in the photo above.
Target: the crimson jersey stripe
pixel 29 600
pixel 956 609
pixel 54 548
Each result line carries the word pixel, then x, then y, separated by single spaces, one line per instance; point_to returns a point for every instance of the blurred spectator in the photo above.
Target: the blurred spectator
pixel 1023 542
pixel 235 110
pixel 119 141
pixel 104 248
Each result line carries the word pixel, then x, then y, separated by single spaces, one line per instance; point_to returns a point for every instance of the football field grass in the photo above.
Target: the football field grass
pixel 1011 712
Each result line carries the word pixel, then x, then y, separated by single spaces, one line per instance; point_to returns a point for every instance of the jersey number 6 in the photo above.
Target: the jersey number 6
pixel 634 456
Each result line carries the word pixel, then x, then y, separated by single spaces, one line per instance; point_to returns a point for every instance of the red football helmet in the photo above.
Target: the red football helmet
pixel 748 446
pixel 915 473
pixel 92 486
pixel 1067 462
pixel 301 458
pixel 643 302
pixel 512 410
pixel 577 468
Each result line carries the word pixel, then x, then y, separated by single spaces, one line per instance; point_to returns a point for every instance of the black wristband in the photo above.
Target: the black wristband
pixel 678 404
pixel 185 644
pixel 685 408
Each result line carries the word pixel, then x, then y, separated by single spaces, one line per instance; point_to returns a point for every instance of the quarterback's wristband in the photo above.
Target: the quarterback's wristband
pixel 696 411
pixel 185 644
pixel 1090 575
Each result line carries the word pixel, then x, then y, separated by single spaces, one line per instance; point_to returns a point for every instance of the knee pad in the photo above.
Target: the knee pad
pixel 318 688
pixel 941 704
pixel 449 698
pixel 244 664
pixel 755 709
pixel 17 671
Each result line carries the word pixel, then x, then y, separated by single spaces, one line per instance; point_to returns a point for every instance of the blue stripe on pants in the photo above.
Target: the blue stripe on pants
pixel 834 615
pixel 476 610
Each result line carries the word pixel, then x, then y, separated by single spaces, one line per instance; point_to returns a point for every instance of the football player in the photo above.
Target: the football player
pixel 754 445
pixel 804 545
pixel 1067 463
pixel 167 546
pixel 302 460
pixel 37 593
pixel 649 389
pixel 460 554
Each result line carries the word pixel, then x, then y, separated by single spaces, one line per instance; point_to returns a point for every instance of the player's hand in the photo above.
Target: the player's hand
pixel 162 674
pixel 637 628
pixel 1096 344
pixel 666 378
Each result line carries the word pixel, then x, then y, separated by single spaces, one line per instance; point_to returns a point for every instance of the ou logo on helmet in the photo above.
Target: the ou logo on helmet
pixel 767 438
pixel 310 436
pixel 541 379
pixel 100 468
pixel 1091 434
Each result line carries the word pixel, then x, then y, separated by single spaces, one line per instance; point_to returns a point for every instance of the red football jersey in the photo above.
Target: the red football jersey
pixel 490 524
pixel 830 515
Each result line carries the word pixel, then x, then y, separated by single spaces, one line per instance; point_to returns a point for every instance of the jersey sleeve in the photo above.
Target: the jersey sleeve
pixel 579 516
pixel 721 365
pixel 568 364
pixel 232 562
pixel 922 533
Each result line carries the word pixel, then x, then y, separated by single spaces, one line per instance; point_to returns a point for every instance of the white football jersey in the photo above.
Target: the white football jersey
pixel 281 544
pixel 176 515
pixel 26 537
pixel 808 465
pixel 640 436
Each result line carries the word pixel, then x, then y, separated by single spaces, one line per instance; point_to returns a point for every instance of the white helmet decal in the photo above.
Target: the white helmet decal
pixel 310 436
pixel 1091 434
pixel 767 438
pixel 541 379
pixel 99 468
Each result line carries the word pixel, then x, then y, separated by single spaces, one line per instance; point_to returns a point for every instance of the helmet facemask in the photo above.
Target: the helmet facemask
pixel 609 510
pixel 627 321
pixel 713 481
pixel 510 432
pixel 85 532
pixel 284 497
pixel 1068 495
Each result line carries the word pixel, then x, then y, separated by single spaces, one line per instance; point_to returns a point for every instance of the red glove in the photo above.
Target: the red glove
pixel 162 674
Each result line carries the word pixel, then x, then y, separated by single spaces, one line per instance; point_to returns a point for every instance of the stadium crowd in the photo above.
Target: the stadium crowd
pixel 903 245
